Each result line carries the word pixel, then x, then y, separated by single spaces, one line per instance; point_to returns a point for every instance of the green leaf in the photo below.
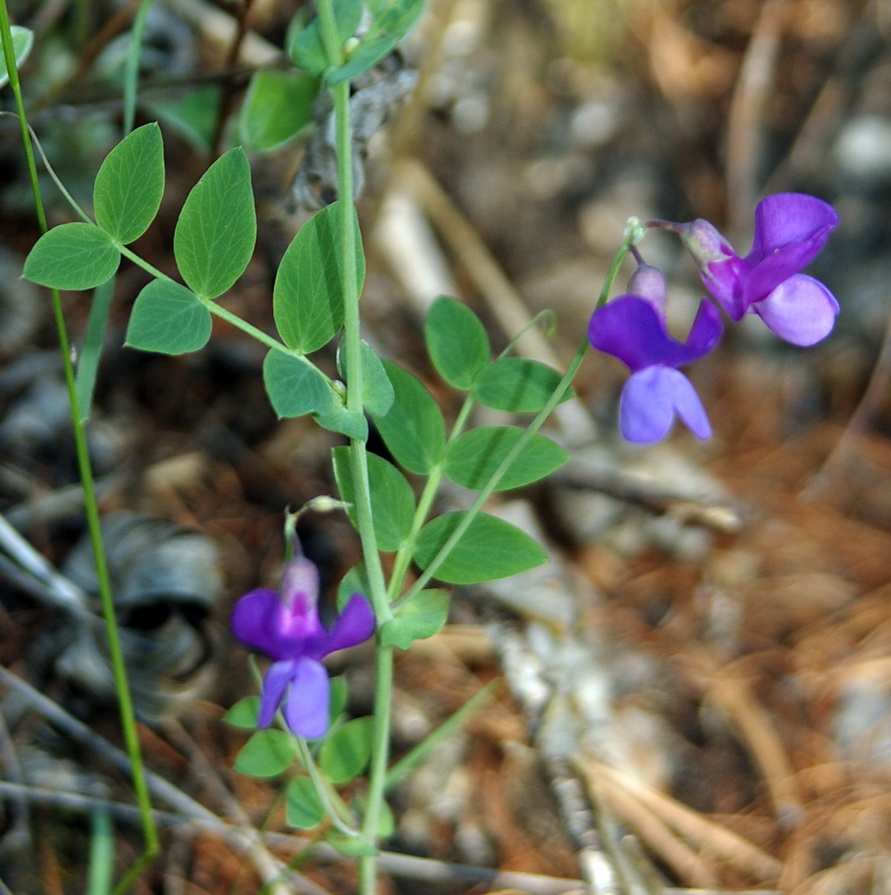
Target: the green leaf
pixel 193 114
pixel 307 50
pixel 296 386
pixel 303 807
pixel 350 846
pixel 456 341
pixel 168 318
pixel 22 41
pixel 244 713
pixel 473 458
pixel 393 19
pixel 347 422
pixel 337 698
pixel 217 227
pixel 386 825
pixel 377 390
pixel 413 428
pixel 392 499
pixel 307 298
pixel 416 619
pixel 346 751
pixel 91 347
pixel 278 106
pixel 130 183
pixel 354 582
pixel 516 384
pixel 267 753
pixel 490 548
pixel 72 256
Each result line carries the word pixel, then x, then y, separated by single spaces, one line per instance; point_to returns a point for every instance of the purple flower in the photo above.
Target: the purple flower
pixel 286 626
pixel 790 230
pixel 633 329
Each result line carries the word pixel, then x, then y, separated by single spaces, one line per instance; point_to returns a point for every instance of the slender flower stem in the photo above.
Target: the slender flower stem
pixel 505 464
pixel 119 672
pixel 358 457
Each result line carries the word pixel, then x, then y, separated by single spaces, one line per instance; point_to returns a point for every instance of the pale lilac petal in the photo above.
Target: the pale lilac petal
pixel 650 400
pixel 254 620
pixel 800 310
pixel 649 283
pixel 351 627
pixel 631 329
pixel 274 684
pixel 306 706
pixel 300 586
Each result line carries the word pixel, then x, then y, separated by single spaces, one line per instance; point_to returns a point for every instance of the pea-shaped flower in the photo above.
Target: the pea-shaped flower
pixel 286 626
pixel 632 328
pixel 790 230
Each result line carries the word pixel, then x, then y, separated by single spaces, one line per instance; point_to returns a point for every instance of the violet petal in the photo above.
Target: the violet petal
pixel 631 329
pixel 274 684
pixel 791 219
pixel 650 400
pixel 254 618
pixel 306 705
pixel 801 310
pixel 354 624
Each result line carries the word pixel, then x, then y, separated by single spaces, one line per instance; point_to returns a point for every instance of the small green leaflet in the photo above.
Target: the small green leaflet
pixel 456 341
pixel 346 750
pixel 169 319
pixel 392 20
pixel 516 384
pixel 392 499
pixel 278 106
pixel 413 428
pixel 377 390
pixel 296 386
pixel 307 49
pixel 307 298
pixel 244 713
pixel 347 422
pixel 192 114
pixel 303 807
pixel 490 548
pixel 420 617
pixel 473 458
pixel 267 753
pixel 72 256
pixel 130 183
pixel 217 227
pixel 22 41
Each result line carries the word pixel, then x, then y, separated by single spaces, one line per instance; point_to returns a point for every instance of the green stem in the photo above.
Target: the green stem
pixel 128 719
pixel 131 65
pixel 336 812
pixel 358 458
pixel 495 478
pixel 524 439
pixel 425 504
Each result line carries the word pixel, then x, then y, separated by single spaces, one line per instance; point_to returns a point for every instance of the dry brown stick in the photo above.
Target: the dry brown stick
pixel 746 111
pixel 655 832
pixel 690 824
pixel 406 866
pixel 876 390
pixel 247 839
pixel 757 733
